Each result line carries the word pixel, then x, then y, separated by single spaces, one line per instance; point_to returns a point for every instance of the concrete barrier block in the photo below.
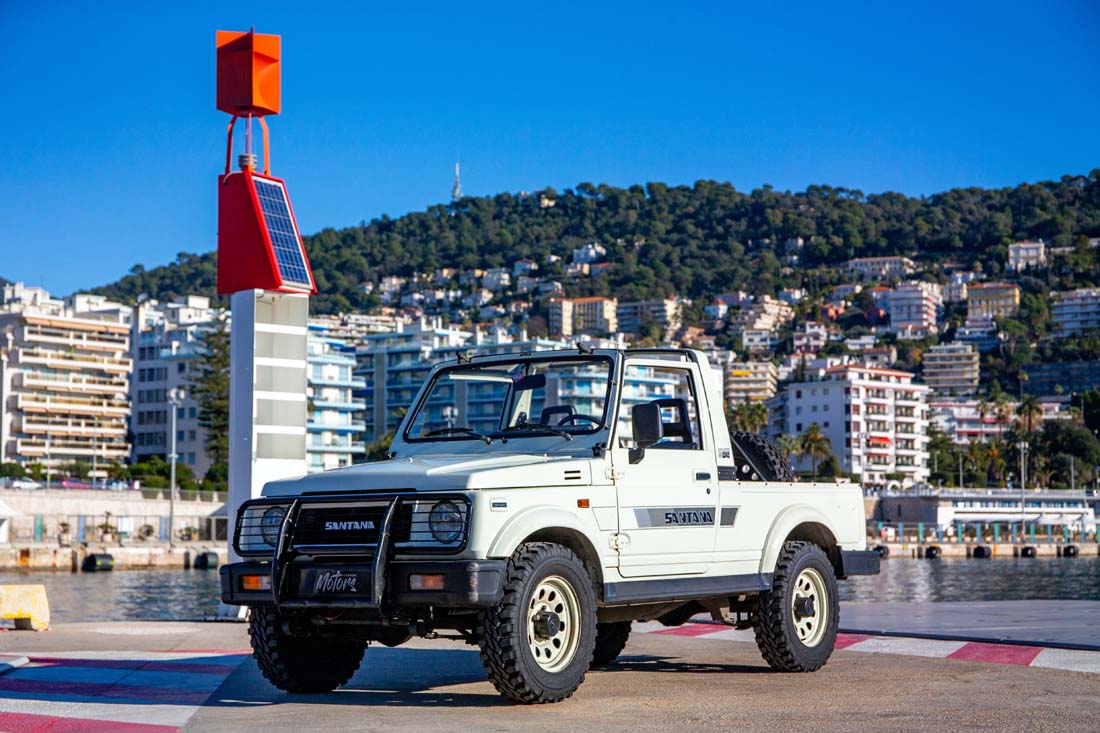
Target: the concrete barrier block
pixel 26 605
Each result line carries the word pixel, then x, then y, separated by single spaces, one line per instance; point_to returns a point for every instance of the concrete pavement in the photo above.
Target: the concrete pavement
pixel 156 677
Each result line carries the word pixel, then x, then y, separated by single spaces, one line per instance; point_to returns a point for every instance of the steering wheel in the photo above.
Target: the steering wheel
pixel 568 419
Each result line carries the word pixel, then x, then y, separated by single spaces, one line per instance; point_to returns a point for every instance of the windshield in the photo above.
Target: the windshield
pixel 550 396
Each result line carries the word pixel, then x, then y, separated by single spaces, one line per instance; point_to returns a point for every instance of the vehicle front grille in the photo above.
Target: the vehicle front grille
pixel 339 524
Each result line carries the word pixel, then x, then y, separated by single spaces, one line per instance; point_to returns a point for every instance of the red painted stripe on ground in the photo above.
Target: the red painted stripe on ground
pixel 207 651
pixel 978 651
pixel 692 630
pixel 843 641
pixel 104 690
pixel 29 723
pixel 145 665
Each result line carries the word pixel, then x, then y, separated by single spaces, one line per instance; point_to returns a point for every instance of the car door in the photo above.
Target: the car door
pixel 667 500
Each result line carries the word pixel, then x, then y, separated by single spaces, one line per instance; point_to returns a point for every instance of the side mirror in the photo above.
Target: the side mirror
pixel 648 429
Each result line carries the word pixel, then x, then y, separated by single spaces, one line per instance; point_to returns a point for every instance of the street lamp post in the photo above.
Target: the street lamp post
pixel 1022 447
pixel 176 396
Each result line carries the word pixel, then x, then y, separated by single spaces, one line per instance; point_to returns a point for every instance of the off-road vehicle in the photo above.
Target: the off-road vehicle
pixel 535 505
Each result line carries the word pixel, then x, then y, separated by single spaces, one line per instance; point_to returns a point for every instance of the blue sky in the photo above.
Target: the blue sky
pixel 110 143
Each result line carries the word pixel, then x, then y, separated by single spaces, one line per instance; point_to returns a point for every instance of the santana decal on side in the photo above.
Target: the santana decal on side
pixel 695 516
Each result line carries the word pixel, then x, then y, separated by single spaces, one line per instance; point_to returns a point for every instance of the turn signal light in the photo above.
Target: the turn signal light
pixel 425 582
pixel 255 582
pixel 583 503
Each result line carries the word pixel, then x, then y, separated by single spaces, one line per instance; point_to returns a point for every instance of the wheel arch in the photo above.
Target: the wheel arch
pixel 801 523
pixel 547 524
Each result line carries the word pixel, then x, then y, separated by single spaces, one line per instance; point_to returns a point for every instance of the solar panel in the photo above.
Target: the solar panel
pixel 289 254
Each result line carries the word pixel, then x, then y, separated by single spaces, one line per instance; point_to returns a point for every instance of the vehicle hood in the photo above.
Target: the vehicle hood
pixel 442 473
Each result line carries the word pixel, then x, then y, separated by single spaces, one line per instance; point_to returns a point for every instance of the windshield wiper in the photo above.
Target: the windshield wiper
pixel 464 431
pixel 532 426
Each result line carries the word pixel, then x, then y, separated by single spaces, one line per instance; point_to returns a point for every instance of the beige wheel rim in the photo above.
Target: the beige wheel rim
pixel 810 607
pixel 553 623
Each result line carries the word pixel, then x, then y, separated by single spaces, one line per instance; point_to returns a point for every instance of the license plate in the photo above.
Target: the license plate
pixel 334 582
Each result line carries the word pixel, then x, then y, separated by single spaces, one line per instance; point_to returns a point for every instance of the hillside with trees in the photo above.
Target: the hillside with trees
pixel 693 241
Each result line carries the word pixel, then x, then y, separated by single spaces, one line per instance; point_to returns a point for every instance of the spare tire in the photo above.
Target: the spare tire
pixel 760 459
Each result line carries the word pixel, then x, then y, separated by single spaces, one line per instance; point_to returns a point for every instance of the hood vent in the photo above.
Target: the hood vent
pixel 573 474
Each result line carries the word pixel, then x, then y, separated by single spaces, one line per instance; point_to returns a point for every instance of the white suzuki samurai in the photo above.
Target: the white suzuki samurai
pixel 535 505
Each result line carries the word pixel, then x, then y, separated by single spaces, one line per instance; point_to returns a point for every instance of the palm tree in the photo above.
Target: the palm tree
pixel 749 417
pixel 815 445
pixel 1003 408
pixel 1030 412
pixel 983 411
pixel 789 444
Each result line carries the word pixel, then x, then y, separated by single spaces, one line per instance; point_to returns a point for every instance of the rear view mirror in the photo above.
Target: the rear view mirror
pixel 648 429
pixel 532 381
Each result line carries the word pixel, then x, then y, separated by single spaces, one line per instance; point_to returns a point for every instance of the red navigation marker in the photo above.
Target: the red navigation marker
pixel 259 245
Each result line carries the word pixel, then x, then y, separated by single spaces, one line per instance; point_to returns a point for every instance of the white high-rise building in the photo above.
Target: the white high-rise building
pixel 166 350
pixel 874 419
pixel 64 381
pixel 952 369
pixel 914 309
pixel 1076 312
pixel 334 433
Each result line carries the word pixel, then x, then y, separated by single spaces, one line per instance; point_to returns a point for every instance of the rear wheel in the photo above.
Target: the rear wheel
pixel 610 641
pixel 298 664
pixel 537 642
pixel 796 621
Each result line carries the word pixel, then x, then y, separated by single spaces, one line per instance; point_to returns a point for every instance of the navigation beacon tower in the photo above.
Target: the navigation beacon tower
pixel 263 267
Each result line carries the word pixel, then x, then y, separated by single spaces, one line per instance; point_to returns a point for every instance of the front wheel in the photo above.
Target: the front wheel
pixel 298 664
pixel 537 642
pixel 796 621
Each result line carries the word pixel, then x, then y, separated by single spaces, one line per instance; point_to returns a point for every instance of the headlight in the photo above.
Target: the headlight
pixel 271 523
pixel 446 522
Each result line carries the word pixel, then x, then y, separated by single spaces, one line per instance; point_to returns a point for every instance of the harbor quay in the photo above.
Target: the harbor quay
pixel 58 528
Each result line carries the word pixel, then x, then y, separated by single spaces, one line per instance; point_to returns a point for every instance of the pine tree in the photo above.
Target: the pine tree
pixel 210 389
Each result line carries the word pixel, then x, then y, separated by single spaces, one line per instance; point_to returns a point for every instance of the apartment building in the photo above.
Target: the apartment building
pixel 881 268
pixel 952 369
pixel 64 381
pixel 333 432
pixel 992 300
pixel 1076 312
pixel 592 316
pixel 1063 377
pixel 979 421
pixel 750 381
pixel 166 351
pixel 914 309
pixel 633 315
pixel 874 420
pixel 812 338
pixel 1027 255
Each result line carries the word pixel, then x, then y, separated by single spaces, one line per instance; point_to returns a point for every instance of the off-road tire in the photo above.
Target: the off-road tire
pixel 773 623
pixel 298 664
pixel 502 631
pixel 764 455
pixel 610 641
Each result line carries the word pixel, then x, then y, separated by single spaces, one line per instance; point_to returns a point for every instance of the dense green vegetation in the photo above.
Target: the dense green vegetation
pixel 694 241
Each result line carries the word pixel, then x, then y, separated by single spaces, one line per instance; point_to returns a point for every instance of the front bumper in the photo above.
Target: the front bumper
pixel 466 584
pixel 859 562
